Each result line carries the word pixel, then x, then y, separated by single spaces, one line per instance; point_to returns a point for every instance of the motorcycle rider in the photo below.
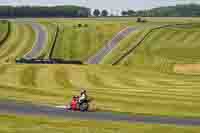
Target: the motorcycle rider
pixel 83 96
pixel 74 103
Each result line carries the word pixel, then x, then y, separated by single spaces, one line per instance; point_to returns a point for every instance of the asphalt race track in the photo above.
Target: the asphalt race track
pixel 111 44
pixel 41 37
pixel 30 109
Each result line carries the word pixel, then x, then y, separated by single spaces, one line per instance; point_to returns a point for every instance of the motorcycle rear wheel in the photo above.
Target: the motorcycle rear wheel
pixel 84 107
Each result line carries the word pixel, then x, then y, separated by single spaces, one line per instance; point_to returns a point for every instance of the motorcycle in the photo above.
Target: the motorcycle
pixel 82 106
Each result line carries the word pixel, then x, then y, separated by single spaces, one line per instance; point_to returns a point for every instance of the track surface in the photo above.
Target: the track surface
pixel 111 44
pixel 40 42
pixel 30 109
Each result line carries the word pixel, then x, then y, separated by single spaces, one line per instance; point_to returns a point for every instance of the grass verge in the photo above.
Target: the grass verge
pixel 32 124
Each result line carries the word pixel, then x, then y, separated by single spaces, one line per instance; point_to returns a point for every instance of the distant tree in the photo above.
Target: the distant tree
pixel 131 13
pixel 112 15
pixel 140 13
pixel 104 13
pixel 42 11
pixel 124 13
pixel 85 25
pixel 84 12
pixel 187 10
pixel 79 25
pixel 96 12
pixel 4 21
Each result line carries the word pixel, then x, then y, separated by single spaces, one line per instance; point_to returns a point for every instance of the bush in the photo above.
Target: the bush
pixel 4 21
pixel 144 21
pixel 79 25
pixel 85 25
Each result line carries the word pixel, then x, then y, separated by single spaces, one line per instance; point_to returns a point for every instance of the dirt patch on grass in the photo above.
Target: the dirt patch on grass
pixel 187 68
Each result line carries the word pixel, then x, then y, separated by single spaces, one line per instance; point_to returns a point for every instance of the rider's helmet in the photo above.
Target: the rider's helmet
pixel 83 91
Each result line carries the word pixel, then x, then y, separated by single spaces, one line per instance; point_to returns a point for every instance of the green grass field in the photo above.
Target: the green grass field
pixel 161 77
pixel 3 29
pixel 24 124
pixel 51 31
pixel 80 43
pixel 166 47
pixel 145 79
pixel 124 45
pixel 139 90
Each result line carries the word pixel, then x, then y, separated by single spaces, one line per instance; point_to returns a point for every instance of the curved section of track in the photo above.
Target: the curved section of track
pixel 41 37
pixel 96 59
pixel 30 109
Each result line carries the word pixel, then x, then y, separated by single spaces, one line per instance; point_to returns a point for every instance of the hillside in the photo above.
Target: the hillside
pixel 136 90
pixel 18 43
pixel 160 77
pixel 187 10
pixel 151 76
pixel 79 43
pixel 165 48
pixel 4 30
pixel 43 11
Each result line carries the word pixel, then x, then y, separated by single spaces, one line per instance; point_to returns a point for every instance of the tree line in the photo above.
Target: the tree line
pixel 42 11
pixel 98 13
pixel 188 10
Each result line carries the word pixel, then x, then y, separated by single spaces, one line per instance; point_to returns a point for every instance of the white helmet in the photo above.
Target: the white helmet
pixel 83 91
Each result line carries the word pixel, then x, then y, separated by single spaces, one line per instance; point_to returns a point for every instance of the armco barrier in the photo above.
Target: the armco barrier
pixel 54 42
pixel 47 61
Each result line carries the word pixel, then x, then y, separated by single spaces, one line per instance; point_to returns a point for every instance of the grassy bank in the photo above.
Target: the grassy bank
pixel 81 42
pixel 139 90
pixel 19 42
pixel 124 45
pixel 4 30
pixel 51 36
pixel 165 47
pixel 144 83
